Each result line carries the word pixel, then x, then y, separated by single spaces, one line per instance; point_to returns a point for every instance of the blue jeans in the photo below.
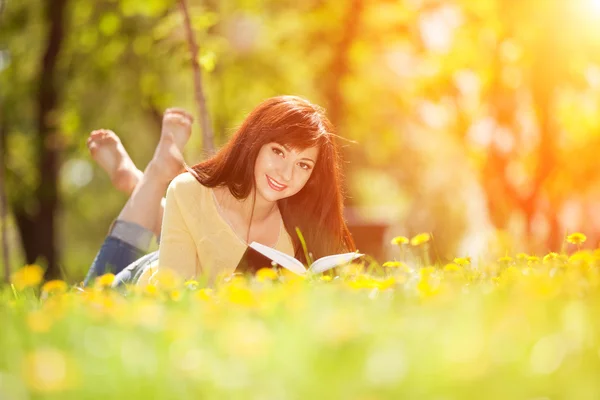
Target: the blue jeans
pixel 122 253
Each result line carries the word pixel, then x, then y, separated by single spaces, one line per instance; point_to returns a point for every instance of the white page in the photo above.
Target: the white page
pixel 328 262
pixel 280 258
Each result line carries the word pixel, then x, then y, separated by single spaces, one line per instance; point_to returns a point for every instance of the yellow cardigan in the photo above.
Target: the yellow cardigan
pixel 195 240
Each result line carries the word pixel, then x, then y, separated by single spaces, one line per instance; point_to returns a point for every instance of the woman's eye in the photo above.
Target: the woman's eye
pixel 277 151
pixel 305 166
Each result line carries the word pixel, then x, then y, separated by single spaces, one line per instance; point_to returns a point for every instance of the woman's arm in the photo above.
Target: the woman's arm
pixel 177 251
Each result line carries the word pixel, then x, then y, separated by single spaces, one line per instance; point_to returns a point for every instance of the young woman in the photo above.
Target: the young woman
pixel 279 171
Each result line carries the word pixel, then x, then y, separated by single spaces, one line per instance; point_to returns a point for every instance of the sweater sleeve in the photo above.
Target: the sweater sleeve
pixel 177 250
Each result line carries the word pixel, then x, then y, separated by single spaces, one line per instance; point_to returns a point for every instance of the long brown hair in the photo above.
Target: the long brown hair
pixel 317 209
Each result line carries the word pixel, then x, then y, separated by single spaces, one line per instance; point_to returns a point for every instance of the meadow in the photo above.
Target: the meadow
pixel 522 327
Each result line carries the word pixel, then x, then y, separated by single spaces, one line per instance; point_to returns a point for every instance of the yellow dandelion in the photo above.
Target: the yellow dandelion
pixel 420 239
pixel 452 267
pixel 55 286
pixel 165 279
pixel 427 289
pixel 326 278
pixel 505 260
pixel 550 257
pixel 581 257
pixel 151 290
pixel 28 276
pixel 386 283
pixel 394 264
pixel 266 274
pixel 533 259
pixel 576 238
pixel 462 261
pixel 204 294
pixel 192 284
pixel 399 240
pixel 176 295
pixel 105 280
pixel 241 296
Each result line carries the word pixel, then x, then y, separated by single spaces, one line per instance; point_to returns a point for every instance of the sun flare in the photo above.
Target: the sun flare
pixel 594 6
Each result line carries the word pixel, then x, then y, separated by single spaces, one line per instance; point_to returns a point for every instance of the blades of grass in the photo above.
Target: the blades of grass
pixel 303 242
pixel 14 291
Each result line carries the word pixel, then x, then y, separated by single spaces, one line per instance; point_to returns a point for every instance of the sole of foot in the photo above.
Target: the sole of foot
pixel 178 123
pixel 107 150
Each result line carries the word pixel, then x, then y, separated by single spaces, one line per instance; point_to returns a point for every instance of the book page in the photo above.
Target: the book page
pixel 282 259
pixel 328 262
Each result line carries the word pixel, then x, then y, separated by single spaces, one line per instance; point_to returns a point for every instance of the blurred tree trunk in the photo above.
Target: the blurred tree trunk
pixel 38 227
pixel 546 72
pixel 3 205
pixel 339 67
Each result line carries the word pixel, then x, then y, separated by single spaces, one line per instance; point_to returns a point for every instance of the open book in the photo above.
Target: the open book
pixel 259 256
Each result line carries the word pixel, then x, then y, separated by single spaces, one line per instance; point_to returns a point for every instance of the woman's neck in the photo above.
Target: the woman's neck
pixel 243 207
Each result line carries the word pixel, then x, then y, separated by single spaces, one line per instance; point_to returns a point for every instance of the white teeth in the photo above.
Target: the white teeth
pixel 275 184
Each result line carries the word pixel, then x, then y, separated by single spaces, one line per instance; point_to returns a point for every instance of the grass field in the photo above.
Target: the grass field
pixel 524 327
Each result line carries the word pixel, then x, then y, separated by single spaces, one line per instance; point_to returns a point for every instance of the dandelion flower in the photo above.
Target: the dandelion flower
pixel 266 274
pixel 505 260
pixel 462 261
pixel 165 279
pixel 420 239
pixel 326 278
pixel 240 295
pixel 28 276
pixel 426 271
pixel 150 290
pixel 576 238
pixel 176 295
pixel 394 264
pixel 54 286
pixel 105 280
pixel 191 284
pixel 452 267
pixel 400 240
pixel 550 257
pixel 204 294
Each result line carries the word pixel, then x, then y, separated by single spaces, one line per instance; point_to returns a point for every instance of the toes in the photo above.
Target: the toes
pixel 176 119
pixel 180 112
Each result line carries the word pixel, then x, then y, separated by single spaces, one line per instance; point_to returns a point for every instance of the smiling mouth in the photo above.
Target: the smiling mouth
pixel 274 184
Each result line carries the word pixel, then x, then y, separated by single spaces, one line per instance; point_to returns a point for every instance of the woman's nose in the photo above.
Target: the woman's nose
pixel 286 171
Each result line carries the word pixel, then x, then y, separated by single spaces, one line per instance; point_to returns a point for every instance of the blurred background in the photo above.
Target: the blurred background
pixel 475 120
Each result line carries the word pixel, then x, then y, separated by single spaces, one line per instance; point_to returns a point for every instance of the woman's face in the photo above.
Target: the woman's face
pixel 281 172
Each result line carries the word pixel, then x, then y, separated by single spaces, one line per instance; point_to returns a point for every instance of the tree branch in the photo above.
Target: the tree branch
pixel 3 207
pixel 207 133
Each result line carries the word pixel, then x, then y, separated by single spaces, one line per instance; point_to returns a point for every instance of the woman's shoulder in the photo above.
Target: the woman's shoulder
pixel 186 184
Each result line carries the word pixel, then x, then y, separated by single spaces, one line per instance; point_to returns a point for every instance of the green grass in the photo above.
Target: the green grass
pixel 524 328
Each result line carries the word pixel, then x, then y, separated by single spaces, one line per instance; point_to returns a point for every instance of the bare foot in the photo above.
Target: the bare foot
pixel 178 122
pixel 167 161
pixel 108 151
